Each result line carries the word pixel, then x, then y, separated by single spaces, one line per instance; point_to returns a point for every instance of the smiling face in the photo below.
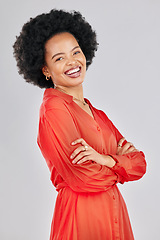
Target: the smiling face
pixel 65 61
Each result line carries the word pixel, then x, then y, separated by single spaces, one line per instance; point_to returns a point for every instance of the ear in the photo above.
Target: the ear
pixel 45 71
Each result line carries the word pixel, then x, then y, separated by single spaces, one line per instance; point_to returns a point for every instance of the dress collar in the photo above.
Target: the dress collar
pixel 49 92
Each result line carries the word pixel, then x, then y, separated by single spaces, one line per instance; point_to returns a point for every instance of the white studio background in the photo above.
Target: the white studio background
pixel 123 81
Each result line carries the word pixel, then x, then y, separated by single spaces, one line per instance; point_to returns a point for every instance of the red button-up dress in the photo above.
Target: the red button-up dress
pixel 89 205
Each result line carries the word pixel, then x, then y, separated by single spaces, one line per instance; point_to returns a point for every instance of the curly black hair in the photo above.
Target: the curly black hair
pixel 29 47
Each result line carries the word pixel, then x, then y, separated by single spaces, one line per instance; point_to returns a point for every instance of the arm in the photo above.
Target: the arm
pixel 129 166
pixel 57 130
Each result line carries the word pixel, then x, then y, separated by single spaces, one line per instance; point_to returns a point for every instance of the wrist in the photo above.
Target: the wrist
pixel 109 161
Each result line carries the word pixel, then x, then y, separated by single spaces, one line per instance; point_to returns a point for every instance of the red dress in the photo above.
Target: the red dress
pixel 89 205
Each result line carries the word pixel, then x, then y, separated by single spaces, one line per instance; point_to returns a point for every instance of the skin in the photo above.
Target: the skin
pixel 56 66
pixel 62 54
pixel 81 155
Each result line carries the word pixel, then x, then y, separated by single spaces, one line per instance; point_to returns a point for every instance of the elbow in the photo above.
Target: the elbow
pixel 138 172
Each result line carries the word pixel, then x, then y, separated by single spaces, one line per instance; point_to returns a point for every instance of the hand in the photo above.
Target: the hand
pixel 127 148
pixel 86 152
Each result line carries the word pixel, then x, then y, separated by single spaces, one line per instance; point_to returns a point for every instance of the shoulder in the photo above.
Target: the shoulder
pixel 54 102
pixel 54 99
pixel 101 113
pixel 53 106
pixel 53 110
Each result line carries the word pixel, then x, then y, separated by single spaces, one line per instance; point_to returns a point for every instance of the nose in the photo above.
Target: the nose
pixel 71 60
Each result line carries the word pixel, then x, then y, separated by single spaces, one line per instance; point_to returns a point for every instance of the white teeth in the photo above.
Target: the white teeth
pixel 73 71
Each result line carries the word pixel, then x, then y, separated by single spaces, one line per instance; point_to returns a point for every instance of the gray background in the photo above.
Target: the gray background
pixel 123 81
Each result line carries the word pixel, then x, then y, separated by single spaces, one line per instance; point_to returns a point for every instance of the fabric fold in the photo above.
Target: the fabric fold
pixel 89 205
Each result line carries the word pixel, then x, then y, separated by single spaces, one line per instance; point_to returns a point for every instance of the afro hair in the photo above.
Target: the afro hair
pixel 29 47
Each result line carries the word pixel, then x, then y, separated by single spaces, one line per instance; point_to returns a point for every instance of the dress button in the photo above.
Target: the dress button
pixel 116 221
pixel 98 128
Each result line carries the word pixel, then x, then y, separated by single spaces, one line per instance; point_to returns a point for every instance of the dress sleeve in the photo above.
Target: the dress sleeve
pixel 57 130
pixel 128 167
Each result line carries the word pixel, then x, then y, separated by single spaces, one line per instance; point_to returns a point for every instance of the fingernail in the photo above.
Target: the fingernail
pixel 73 161
pixel 71 156
pixel 73 143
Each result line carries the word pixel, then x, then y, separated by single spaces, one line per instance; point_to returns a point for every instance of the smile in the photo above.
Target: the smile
pixel 73 72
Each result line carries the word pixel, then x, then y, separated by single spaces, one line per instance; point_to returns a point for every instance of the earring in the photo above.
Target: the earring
pixel 47 78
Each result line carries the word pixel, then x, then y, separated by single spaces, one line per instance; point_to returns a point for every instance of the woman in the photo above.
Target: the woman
pixel 86 154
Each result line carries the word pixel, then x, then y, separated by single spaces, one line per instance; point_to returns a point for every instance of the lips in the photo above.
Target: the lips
pixel 74 72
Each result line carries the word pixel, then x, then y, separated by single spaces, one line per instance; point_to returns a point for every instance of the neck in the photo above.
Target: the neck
pixel 76 92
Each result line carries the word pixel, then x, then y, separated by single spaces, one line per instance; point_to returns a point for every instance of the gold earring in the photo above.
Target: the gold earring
pixel 47 78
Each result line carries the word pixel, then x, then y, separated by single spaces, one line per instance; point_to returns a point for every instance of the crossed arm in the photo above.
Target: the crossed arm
pixel 55 141
pixel 86 152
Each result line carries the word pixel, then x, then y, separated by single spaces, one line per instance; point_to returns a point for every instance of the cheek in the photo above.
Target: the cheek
pixel 83 59
pixel 56 69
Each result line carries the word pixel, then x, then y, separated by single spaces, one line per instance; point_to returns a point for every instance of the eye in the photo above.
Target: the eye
pixel 59 59
pixel 76 52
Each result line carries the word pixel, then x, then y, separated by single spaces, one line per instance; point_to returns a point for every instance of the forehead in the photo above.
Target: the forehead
pixel 61 42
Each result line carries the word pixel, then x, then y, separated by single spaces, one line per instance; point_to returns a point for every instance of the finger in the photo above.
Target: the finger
pixel 136 150
pixel 131 149
pixel 79 140
pixel 121 142
pixel 86 158
pixel 118 150
pixel 77 151
pixel 80 156
pixel 126 147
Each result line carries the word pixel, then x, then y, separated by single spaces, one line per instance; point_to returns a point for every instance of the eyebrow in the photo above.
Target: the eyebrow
pixel 64 53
